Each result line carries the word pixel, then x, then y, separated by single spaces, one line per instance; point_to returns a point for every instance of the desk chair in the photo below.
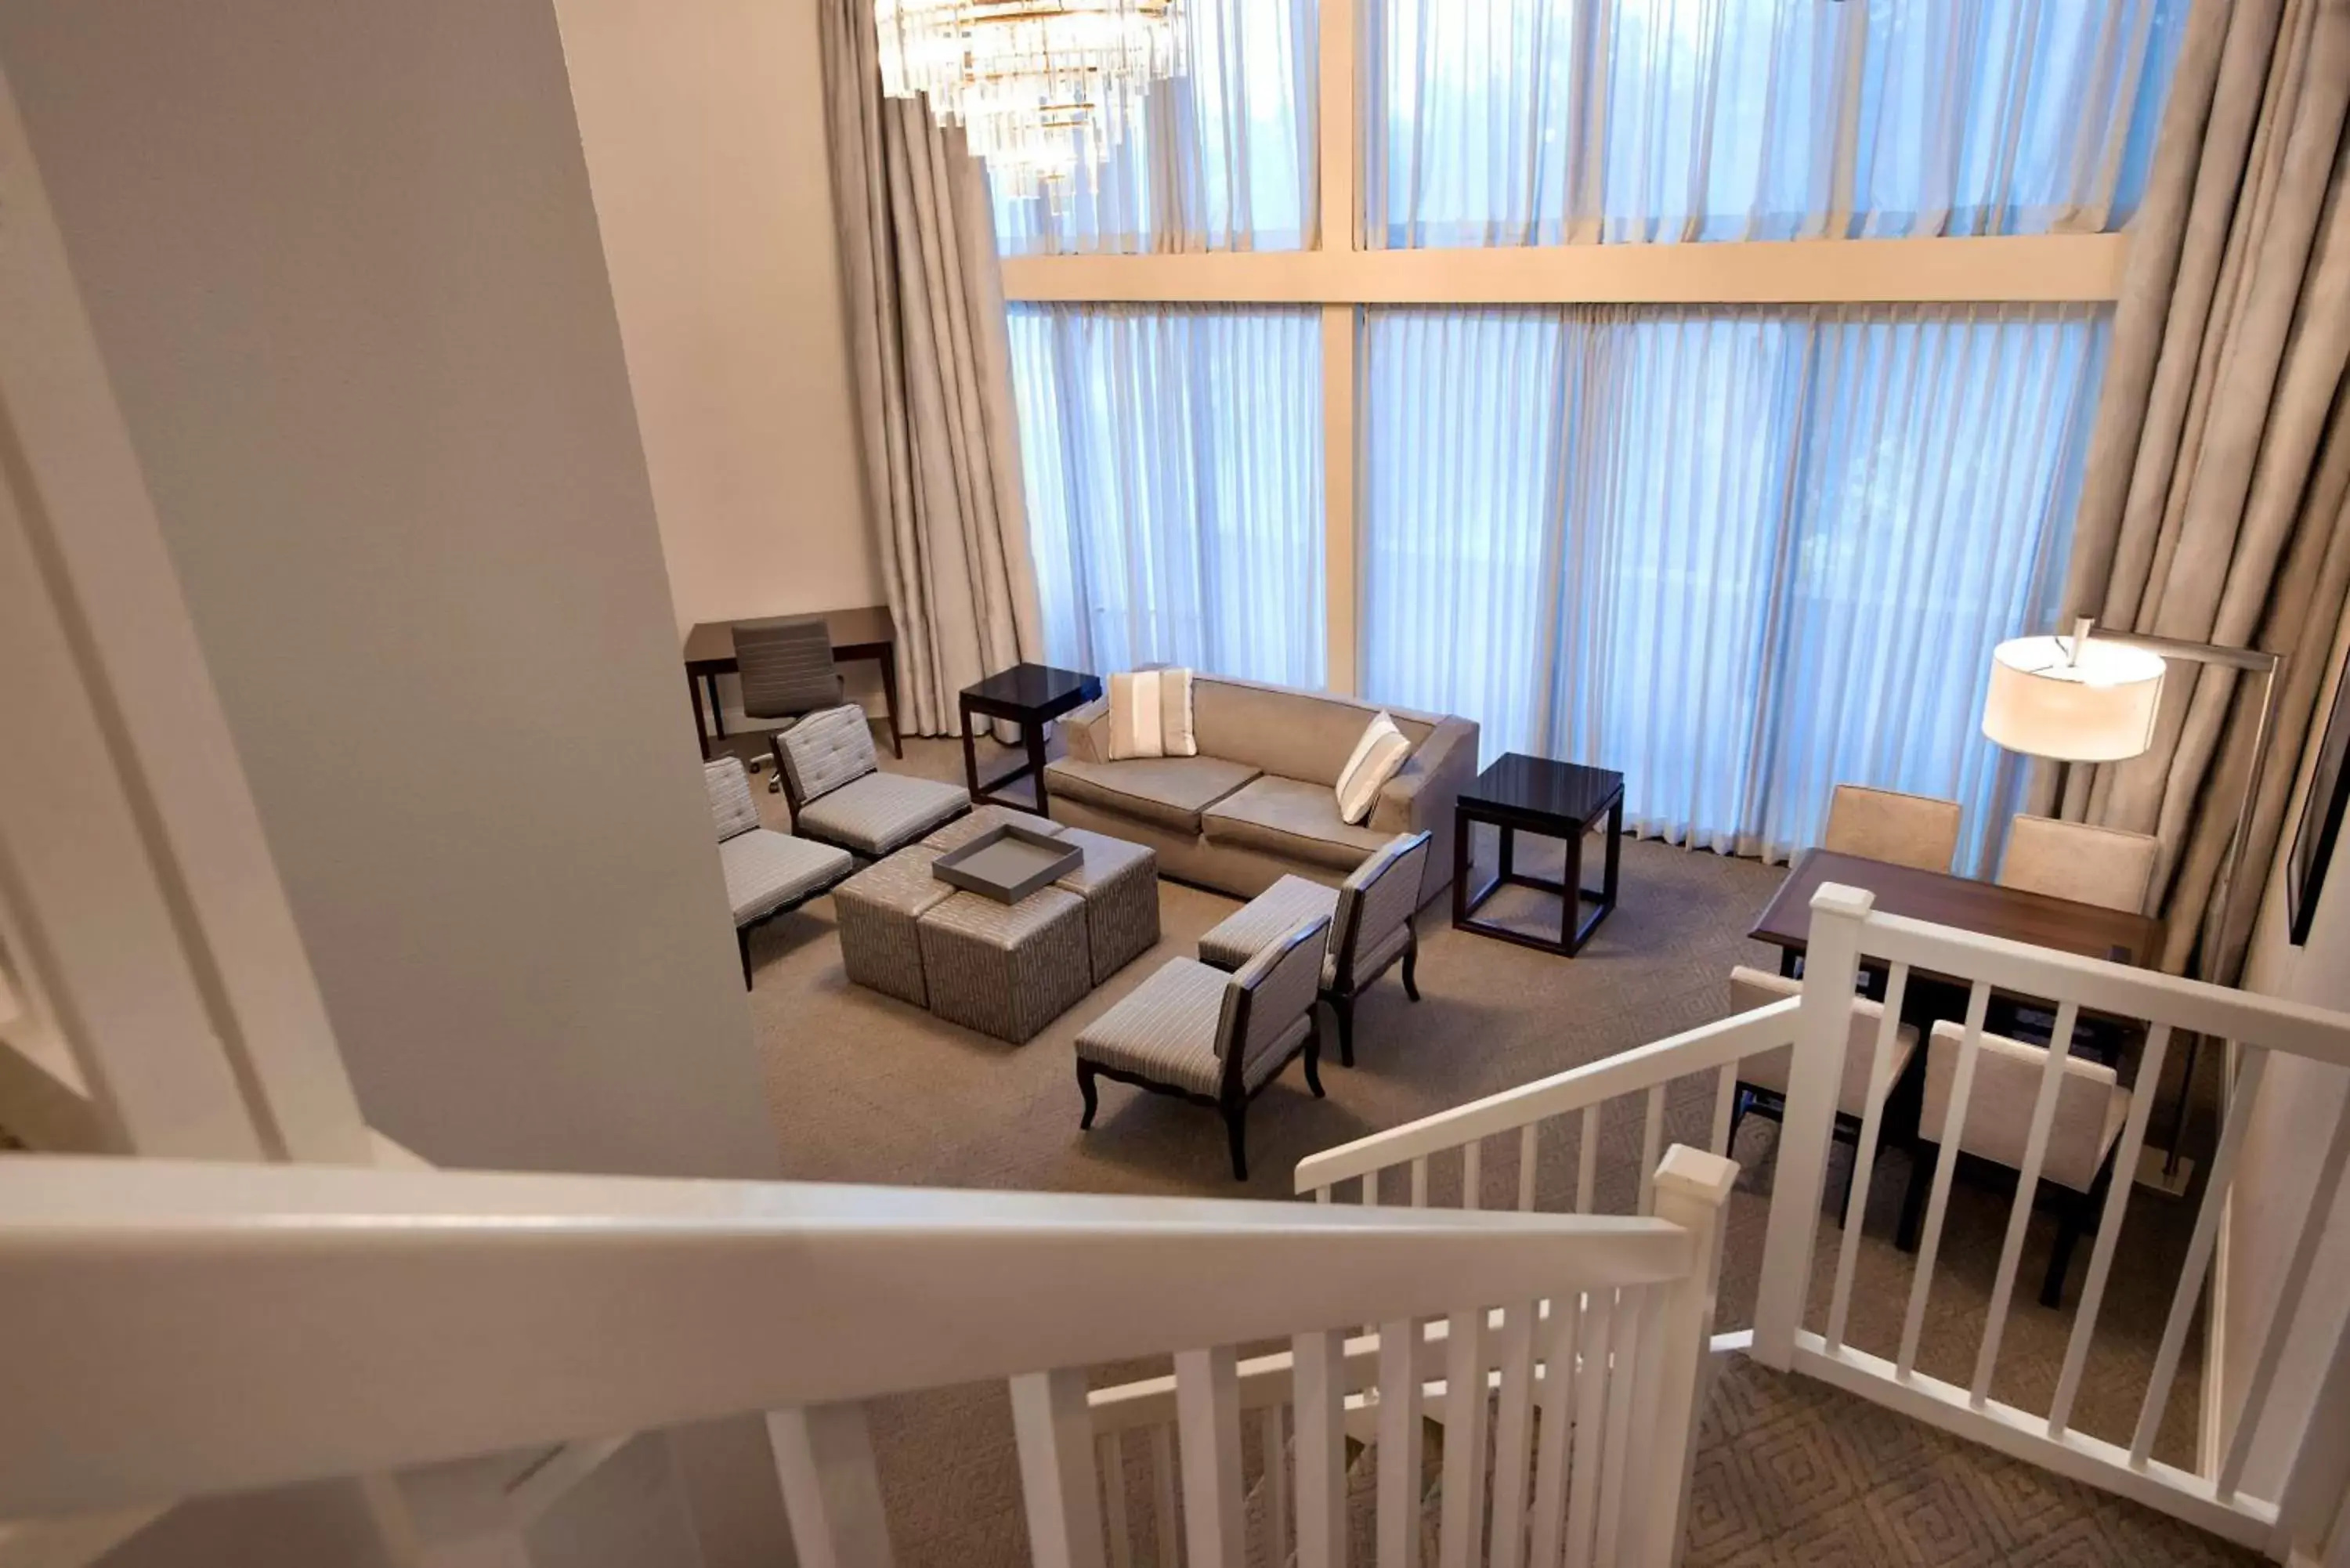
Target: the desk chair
pixel 786 668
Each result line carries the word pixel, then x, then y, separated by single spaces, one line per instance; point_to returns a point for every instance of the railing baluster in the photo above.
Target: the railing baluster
pixel 1167 1523
pixel 1399 1446
pixel 1565 1388
pixel 1864 1157
pixel 2027 1185
pixel 2199 1250
pixel 1053 1430
pixel 1319 1388
pixel 1461 1525
pixel 2109 1227
pixel 1321 1195
pixel 832 1492
pixel 1526 1140
pixel 1587 1159
pixel 1276 1485
pixel 1121 1532
pixel 1652 1147
pixel 1725 1098
pixel 1512 1448
pixel 1602 1310
pixel 1420 1182
pixel 1634 1309
pixel 1473 1173
pixel 1930 1242
pixel 1208 1421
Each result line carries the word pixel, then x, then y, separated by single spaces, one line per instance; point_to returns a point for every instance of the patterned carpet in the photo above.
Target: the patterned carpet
pixel 864 1088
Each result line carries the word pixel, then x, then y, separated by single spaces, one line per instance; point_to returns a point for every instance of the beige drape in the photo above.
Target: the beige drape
pixel 933 381
pixel 2212 505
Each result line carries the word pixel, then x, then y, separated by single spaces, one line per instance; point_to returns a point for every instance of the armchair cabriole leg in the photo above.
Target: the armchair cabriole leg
pixel 1093 1100
pixel 1236 1132
pixel 1314 1060
pixel 743 946
pixel 1411 961
pixel 1342 1008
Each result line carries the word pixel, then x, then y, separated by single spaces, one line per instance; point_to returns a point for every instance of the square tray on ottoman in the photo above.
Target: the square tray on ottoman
pixel 1008 863
pixel 876 911
pixel 1119 882
pixel 1005 969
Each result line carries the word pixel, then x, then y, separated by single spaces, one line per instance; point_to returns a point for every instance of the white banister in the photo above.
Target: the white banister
pixel 1929 1241
pixel 1692 1190
pixel 1321 1399
pixel 1398 1501
pixel 1208 1399
pixel 1460 1533
pixel 1823 1022
pixel 2027 1188
pixel 832 1490
pixel 1054 1431
pixel 1863 1157
pixel 1513 1433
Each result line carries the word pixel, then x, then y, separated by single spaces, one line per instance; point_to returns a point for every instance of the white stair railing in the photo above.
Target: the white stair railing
pixel 1846 934
pixel 171 1330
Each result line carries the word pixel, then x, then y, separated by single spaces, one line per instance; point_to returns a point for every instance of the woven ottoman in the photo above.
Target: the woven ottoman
pixel 986 818
pixel 1005 969
pixel 877 912
pixel 1119 882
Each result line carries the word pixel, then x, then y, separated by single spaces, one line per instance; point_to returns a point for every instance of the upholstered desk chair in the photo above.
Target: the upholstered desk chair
pixel 2109 867
pixel 786 672
pixel 1762 1086
pixel 1914 830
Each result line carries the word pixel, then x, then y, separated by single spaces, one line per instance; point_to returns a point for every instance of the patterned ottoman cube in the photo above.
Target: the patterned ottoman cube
pixel 986 818
pixel 877 912
pixel 1005 969
pixel 1119 882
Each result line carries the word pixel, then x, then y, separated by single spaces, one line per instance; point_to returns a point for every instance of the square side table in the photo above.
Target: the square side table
pixel 1031 696
pixel 1553 800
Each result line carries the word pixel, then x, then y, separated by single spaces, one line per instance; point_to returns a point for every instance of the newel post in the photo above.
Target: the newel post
pixel 1822 1025
pixel 1691 1188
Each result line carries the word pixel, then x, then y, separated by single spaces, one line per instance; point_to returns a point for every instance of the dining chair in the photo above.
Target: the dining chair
pixel 1762 1085
pixel 785 666
pixel 2109 867
pixel 2076 1164
pixel 1914 830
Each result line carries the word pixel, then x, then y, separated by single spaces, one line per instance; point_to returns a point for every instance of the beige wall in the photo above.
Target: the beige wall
pixel 2294 1116
pixel 703 123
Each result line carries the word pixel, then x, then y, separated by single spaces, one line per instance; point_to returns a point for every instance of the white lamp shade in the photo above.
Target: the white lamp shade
pixel 2098 708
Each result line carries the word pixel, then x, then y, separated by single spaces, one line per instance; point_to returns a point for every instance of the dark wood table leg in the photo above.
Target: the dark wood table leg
pixel 1570 936
pixel 701 725
pixel 1509 850
pixel 1614 855
pixel 1789 963
pixel 1463 829
pixel 717 714
pixel 970 757
pixel 1033 732
pixel 889 656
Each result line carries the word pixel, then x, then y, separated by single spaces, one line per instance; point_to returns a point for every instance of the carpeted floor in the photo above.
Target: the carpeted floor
pixel 865 1088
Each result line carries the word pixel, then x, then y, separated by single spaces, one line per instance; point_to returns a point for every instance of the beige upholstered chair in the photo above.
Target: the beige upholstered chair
pixel 1917 830
pixel 838 794
pixel 2091 1106
pixel 768 873
pixel 2110 867
pixel 1763 1080
pixel 1215 1039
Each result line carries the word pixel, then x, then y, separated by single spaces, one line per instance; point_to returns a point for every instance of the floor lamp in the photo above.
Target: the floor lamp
pixel 2081 698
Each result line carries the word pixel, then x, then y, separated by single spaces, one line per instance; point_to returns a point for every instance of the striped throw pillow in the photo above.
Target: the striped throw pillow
pixel 1150 715
pixel 1378 756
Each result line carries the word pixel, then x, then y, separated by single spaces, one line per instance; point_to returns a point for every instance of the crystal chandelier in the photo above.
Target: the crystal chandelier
pixel 1043 88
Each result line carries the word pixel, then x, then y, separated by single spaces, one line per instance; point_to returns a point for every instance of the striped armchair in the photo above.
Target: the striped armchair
pixel 838 794
pixel 1215 1039
pixel 768 873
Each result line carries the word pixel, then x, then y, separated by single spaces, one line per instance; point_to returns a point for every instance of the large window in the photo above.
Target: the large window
pixel 1174 482
pixel 1571 478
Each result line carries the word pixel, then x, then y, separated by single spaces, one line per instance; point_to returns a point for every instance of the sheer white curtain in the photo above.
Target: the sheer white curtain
pixel 1516 122
pixel 1225 159
pixel 1174 460
pixel 1741 555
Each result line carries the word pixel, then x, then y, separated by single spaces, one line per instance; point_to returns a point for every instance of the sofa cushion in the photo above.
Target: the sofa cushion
pixel 1169 791
pixel 1283 731
pixel 1290 817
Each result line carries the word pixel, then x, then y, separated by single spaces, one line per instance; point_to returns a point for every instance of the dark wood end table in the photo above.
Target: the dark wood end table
pixel 1553 800
pixel 1031 696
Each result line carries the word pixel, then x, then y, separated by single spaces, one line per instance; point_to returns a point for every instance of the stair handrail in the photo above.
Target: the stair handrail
pixel 171 1328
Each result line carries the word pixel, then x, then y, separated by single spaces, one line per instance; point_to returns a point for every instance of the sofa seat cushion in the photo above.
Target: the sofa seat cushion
pixel 1292 819
pixel 766 870
pixel 1169 791
pixel 877 812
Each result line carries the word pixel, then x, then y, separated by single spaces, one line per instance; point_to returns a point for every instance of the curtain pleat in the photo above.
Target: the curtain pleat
pixel 1225 156
pixel 1741 555
pixel 1174 472
pixel 1516 122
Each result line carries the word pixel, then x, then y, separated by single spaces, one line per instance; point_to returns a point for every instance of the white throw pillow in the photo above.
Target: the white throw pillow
pixel 1150 715
pixel 1377 757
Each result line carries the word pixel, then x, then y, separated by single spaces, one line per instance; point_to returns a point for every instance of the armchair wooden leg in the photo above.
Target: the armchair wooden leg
pixel 1314 1059
pixel 1411 961
pixel 1085 1087
pixel 742 945
pixel 2077 1214
pixel 1236 1131
pixel 1923 1157
pixel 1342 1008
pixel 1742 1099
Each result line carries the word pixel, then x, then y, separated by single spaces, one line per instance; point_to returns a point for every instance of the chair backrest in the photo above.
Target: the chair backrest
pixel 1752 988
pixel 1916 830
pixel 2090 1105
pixel 733 812
pixel 824 751
pixel 1272 992
pixel 1376 901
pixel 2110 867
pixel 786 665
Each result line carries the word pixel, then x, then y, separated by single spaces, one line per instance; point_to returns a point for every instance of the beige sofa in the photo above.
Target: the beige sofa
pixel 1259 799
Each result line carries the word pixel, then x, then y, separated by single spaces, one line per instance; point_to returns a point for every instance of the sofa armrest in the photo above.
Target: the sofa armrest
pixel 1421 798
pixel 1086 729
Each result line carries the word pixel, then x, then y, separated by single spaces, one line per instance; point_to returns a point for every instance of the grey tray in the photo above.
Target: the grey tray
pixel 1008 863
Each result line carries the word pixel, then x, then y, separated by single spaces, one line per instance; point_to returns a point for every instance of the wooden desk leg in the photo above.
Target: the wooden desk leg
pixel 717 714
pixel 970 756
pixel 1033 733
pixel 701 725
pixel 890 698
